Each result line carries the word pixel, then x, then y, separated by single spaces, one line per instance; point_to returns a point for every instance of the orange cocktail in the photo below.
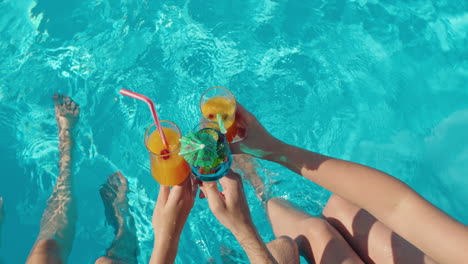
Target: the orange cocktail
pixel 219 100
pixel 167 167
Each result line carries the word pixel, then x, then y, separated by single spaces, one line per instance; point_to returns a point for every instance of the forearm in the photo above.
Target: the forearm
pixel 358 184
pixel 165 248
pixel 253 245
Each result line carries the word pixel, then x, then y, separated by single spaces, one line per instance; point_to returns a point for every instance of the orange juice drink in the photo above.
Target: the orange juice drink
pixel 167 167
pixel 219 100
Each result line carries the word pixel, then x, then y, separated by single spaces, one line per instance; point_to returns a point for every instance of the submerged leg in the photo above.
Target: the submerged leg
pixel 247 166
pixel 55 238
pixel 124 247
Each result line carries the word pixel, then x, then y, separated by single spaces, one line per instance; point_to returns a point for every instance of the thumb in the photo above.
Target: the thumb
pixel 209 189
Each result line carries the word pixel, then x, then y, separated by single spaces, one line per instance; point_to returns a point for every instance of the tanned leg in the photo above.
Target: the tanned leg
pixel 317 240
pixel 124 247
pixel 55 238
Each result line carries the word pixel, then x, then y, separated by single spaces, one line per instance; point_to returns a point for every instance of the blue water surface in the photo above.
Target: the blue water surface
pixel 383 83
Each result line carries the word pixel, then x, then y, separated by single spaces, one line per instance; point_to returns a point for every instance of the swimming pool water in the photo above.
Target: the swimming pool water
pixel 380 82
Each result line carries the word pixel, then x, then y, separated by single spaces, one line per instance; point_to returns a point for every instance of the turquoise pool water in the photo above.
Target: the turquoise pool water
pixel 384 83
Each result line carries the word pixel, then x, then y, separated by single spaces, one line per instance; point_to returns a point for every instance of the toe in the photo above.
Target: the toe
pixel 112 179
pixel 103 190
pixel 121 177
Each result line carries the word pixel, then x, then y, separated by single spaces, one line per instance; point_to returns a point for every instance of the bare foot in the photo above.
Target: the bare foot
pixel 66 111
pixel 114 196
pixel 124 248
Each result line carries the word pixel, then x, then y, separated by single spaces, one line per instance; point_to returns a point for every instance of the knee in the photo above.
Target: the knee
pixel 104 260
pixel 286 243
pixel 273 206
pixel 46 246
pixel 276 207
pixel 284 250
pixel 317 227
pixel 334 205
pixel 45 251
pixel 272 202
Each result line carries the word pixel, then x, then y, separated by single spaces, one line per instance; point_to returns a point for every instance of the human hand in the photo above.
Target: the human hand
pixel 173 207
pixel 170 214
pixel 231 209
pixel 256 140
pixel 229 206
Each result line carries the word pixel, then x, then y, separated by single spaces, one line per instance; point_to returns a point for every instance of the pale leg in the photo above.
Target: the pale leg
pixel 317 240
pixel 371 239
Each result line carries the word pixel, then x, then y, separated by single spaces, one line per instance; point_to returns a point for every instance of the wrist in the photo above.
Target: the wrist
pixel 246 232
pixel 275 150
pixel 266 148
pixel 166 235
pixel 253 245
pixel 165 248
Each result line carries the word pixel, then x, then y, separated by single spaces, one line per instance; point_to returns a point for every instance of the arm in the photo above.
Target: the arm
pixel 231 209
pixel 253 245
pixel 387 198
pixel 170 214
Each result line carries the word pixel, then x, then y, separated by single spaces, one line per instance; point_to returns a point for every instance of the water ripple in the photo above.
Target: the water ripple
pixel 342 78
pixel 68 61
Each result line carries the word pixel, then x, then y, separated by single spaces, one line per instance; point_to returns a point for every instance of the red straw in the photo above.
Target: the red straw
pixel 153 111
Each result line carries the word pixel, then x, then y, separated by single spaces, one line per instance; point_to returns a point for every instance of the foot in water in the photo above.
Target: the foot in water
pixel 66 115
pixel 114 196
pixel 66 111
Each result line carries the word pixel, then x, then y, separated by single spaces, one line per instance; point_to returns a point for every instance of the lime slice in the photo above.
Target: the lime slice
pixel 211 132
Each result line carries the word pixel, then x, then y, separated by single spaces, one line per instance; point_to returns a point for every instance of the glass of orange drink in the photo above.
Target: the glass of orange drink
pixel 219 100
pixel 167 167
